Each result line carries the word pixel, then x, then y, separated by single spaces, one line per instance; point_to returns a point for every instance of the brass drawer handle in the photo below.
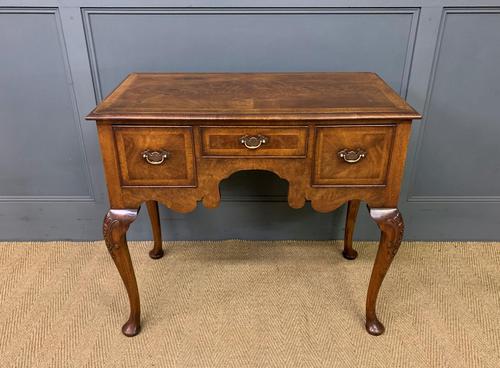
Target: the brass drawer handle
pixel 351 156
pixel 155 157
pixel 253 142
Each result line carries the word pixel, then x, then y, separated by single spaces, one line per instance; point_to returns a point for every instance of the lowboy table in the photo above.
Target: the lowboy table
pixel 171 138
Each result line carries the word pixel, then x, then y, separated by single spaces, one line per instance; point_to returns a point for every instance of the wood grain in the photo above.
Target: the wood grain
pixel 330 169
pixel 115 226
pixel 335 137
pixel 265 96
pixel 390 222
pixel 178 169
pixel 352 212
pixel 154 216
pixel 224 141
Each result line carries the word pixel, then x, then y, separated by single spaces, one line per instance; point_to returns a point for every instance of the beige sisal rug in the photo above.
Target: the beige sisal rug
pixel 249 304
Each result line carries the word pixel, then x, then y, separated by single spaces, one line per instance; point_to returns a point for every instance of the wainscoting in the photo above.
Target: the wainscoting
pixel 59 58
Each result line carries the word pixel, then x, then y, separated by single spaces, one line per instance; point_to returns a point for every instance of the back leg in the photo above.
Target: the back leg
pixel 352 212
pixel 154 216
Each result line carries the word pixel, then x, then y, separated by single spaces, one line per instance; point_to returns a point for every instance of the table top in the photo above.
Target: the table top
pixel 250 96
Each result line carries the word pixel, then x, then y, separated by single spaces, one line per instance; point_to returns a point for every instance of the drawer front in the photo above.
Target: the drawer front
pixel 155 156
pixel 352 155
pixel 254 141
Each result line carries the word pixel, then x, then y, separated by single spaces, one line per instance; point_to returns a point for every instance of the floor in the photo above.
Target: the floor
pixel 249 304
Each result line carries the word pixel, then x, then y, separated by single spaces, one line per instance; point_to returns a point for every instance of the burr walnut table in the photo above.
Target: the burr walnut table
pixel 171 138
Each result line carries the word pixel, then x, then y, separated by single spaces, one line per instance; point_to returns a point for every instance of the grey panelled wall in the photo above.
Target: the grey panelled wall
pixel 36 101
pixel 59 58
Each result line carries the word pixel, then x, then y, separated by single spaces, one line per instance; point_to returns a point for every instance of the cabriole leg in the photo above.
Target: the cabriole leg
pixel 116 224
pixel 391 225
pixel 352 212
pixel 154 216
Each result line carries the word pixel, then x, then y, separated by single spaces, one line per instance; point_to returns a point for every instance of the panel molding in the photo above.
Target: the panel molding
pixel 46 199
pixel 76 114
pixel 87 12
pixel 454 199
pixel 419 141
pixel 405 76
pixel 254 198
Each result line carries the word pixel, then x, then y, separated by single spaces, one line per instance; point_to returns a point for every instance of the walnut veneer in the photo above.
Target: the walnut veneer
pixel 171 138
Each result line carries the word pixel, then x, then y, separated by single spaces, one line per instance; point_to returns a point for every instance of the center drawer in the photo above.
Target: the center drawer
pixel 254 141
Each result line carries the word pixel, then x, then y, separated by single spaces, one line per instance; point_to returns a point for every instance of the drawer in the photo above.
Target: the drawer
pixel 348 155
pixel 155 156
pixel 252 141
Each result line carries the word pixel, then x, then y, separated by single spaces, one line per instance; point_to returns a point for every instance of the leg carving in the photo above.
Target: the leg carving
pixel 352 212
pixel 391 225
pixel 154 216
pixel 116 224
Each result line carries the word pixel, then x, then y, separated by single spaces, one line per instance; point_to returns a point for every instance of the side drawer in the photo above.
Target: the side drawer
pixel 155 156
pixel 352 155
pixel 252 141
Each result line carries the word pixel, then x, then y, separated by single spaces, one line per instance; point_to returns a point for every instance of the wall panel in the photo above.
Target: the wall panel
pixel 457 158
pixel 60 57
pixel 42 149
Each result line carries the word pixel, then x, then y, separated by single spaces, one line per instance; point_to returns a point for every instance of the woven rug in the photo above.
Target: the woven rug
pixel 249 304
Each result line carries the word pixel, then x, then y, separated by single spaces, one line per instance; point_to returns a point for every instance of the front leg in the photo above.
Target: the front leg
pixel 390 222
pixel 116 224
